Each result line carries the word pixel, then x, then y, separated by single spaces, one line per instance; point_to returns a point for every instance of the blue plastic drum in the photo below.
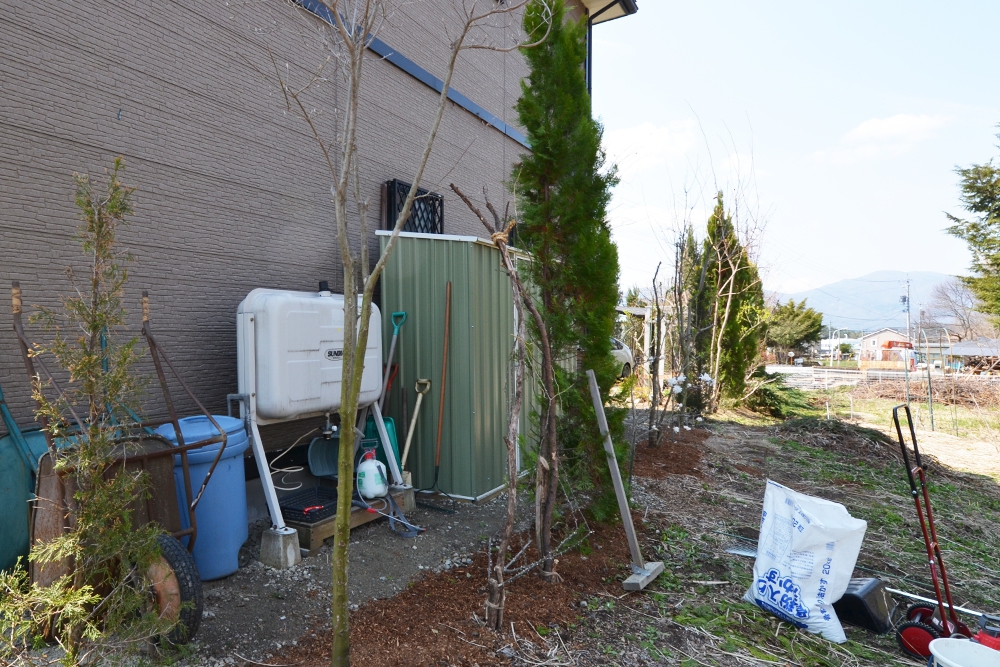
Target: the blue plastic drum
pixel 222 511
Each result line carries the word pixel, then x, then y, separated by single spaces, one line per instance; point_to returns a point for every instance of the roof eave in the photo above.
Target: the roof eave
pixel 602 11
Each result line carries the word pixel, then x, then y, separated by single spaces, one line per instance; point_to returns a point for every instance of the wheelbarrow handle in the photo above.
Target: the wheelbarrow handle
pixel 401 316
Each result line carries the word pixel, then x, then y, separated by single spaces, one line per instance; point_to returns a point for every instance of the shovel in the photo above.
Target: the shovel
pixel 401 316
pixel 422 387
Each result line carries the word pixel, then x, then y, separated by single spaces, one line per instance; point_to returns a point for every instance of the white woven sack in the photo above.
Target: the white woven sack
pixel 805 557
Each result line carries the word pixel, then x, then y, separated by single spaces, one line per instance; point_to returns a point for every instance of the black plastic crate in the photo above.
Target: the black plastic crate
pixel 294 507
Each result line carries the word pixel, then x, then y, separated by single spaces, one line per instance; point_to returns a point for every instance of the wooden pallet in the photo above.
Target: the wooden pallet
pixel 311 535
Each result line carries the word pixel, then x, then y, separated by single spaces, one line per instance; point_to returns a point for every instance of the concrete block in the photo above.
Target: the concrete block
pixel 279 548
pixel 639 580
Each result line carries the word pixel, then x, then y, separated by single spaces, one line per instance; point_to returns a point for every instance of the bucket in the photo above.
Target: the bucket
pixel 222 510
pixel 322 456
pixel 953 652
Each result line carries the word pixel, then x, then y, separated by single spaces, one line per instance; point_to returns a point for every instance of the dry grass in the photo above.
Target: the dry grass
pixel 690 520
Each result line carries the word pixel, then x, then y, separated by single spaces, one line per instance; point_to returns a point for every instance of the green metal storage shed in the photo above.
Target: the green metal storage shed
pixel 478 386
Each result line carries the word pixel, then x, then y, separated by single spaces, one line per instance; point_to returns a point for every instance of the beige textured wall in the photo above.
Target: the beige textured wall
pixel 232 191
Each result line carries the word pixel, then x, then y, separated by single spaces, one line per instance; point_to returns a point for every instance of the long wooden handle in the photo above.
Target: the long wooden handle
pixel 15 297
pixel 444 372
pixel 409 432
pixel 616 476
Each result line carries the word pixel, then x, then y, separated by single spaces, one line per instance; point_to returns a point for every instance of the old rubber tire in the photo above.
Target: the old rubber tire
pixel 915 638
pixel 176 589
pixel 626 370
pixel 920 612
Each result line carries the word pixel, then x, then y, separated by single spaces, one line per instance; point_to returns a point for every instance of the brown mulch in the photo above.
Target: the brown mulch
pixel 676 454
pixel 431 623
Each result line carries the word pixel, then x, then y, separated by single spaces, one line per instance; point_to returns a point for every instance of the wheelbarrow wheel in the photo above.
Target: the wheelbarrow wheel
pixel 915 638
pixel 176 589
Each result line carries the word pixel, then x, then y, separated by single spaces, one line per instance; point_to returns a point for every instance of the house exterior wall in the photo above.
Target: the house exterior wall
pixel 232 191
pixel 872 345
pixel 875 355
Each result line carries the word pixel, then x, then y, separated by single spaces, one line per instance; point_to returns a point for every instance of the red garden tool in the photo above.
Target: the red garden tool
pixel 924 622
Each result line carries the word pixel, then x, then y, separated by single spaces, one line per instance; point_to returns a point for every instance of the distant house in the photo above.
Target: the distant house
pixel 827 345
pixel 885 349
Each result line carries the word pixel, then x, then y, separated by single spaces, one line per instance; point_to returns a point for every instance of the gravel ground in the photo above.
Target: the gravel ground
pixel 258 610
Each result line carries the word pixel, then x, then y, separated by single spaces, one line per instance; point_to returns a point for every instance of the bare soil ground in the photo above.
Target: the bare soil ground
pixel 974 455
pixel 258 612
pixel 695 495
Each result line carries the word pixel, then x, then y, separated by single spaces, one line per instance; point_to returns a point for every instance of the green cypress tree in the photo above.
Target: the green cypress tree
pixel 980 185
pixel 725 312
pixel 739 308
pixel 563 192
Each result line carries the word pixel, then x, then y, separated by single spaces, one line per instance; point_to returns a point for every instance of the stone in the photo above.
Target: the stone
pixel 279 548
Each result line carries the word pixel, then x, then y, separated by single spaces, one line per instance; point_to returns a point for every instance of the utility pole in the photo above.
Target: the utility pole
pixel 906 362
pixel 906 300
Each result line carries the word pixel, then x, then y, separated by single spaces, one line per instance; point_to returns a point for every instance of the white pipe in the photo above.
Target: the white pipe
pixel 920 598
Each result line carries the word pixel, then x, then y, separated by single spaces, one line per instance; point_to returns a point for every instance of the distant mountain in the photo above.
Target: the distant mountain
pixel 871 301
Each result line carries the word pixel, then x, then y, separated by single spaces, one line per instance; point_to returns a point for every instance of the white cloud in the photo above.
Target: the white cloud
pixel 901 128
pixel 884 137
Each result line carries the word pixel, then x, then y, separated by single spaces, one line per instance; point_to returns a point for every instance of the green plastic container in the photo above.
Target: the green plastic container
pixel 371 433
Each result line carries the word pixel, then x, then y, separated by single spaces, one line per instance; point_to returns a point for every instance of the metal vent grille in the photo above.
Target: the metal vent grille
pixel 426 214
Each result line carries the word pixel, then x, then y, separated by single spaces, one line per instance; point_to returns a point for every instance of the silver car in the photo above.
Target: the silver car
pixel 623 355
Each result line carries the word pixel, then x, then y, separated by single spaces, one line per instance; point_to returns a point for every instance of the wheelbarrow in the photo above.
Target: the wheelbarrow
pixel 175 584
pixel 20 451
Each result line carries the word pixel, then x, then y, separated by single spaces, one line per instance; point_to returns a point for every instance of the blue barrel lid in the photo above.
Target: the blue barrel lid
pixel 199 428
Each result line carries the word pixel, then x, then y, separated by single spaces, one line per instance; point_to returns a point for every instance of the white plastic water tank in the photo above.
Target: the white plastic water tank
pixel 292 343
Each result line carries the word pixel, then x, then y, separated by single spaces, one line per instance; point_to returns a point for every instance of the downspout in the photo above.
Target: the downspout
pixel 590 53
pixel 590 42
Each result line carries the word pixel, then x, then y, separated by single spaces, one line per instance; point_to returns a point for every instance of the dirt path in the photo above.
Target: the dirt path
pixel 968 454
pixel 258 612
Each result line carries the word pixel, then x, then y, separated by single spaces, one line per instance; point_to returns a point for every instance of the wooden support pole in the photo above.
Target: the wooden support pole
pixel 642 572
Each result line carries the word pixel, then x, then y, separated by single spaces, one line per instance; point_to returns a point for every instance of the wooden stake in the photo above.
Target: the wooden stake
pixel 642 572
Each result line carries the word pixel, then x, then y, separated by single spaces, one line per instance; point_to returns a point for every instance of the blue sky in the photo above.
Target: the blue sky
pixel 839 125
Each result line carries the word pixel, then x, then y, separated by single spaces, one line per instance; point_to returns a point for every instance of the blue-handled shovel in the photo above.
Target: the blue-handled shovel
pixel 397 322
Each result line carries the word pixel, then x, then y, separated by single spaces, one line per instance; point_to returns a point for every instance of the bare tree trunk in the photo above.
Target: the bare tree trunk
pixel 354 24
pixel 547 473
pixel 500 235
pixel 726 291
pixel 655 397
pixel 548 465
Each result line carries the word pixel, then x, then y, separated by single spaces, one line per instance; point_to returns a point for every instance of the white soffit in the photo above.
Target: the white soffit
pixel 618 9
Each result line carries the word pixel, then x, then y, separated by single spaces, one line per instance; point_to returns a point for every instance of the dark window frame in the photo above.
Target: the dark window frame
pixel 426 214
